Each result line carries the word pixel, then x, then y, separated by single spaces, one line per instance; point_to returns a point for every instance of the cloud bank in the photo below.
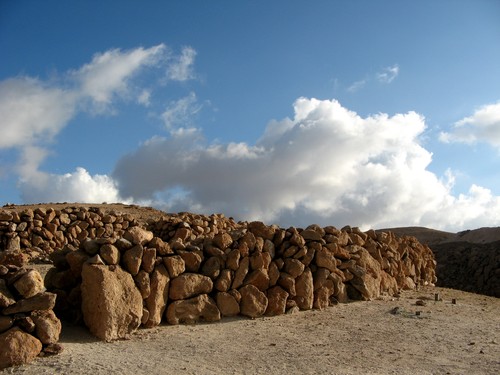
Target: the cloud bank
pixel 326 165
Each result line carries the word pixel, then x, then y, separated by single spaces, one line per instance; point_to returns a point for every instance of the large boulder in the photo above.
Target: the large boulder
pixel 367 278
pixel 277 297
pixel 47 326
pixel 29 284
pixel 111 303
pixel 158 297
pixel 193 310
pixel 305 290
pixel 253 302
pixel 188 285
pixel 18 348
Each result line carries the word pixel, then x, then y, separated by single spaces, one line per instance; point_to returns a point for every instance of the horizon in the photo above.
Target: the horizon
pixel 370 115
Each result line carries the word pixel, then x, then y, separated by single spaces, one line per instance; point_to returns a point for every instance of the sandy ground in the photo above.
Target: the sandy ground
pixel 354 338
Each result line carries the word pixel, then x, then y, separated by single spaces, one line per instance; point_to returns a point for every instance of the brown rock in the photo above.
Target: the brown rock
pixel 110 254
pixel 111 303
pixel 158 298
pixel 188 285
pixel 212 267
pixel 260 261
pixel 138 235
pixel 143 282
pixel 193 310
pixel 253 302
pixel 338 251
pixel 148 259
pixel 305 290
pixel 162 248
pixel 326 259
pixel 227 304
pixel 258 278
pixel 175 265
pixel 192 261
pixel 53 349
pixel 223 282
pixel 233 259
pixel 47 326
pixel 222 241
pixel 274 274
pixel 311 235
pixel 277 297
pixel 294 267
pixel 132 259
pixel 6 297
pixel 241 273
pixel 367 275
pixel 41 301
pixel 259 229
pixel 18 348
pixel 75 260
pixel 288 283
pixel 5 323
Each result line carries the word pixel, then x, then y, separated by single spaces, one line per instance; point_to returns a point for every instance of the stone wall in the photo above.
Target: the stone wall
pixel 28 325
pixel 117 274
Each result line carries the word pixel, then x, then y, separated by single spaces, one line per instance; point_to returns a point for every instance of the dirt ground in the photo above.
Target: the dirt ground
pixel 355 338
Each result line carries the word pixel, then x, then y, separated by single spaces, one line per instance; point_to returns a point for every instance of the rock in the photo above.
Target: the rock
pixel 157 300
pixel 227 304
pixel 233 259
pixel 212 267
pixel 311 235
pixel 75 260
pixel 260 261
pixel 223 240
pixel 143 282
pixel 47 326
pixel 253 302
pixel 294 267
pixel 162 248
pixel 5 323
pixel 259 229
pixel 6 297
pixel 111 303
pixel 192 310
pixel 288 283
pixel 41 301
pixel 305 290
pixel 192 261
pixel 18 348
pixel 14 244
pixel 223 282
pixel 175 265
pixel 148 259
pixel 367 275
pixel 325 258
pixel 90 246
pixel 53 349
pixel 258 278
pixel 110 254
pixel 188 285
pixel 138 235
pixel 241 273
pixel 29 284
pixel 132 259
pixel 277 297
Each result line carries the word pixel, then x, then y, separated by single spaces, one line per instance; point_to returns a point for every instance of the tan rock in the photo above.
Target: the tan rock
pixel 258 278
pixel 111 303
pixel 233 259
pixel 132 259
pixel 148 259
pixel 277 297
pixel 367 275
pixel 143 282
pixel 260 261
pixel 311 235
pixel 304 287
pixel 223 240
pixel 223 282
pixel 192 261
pixel 227 304
pixel 41 301
pixel 253 302
pixel 241 273
pixel 193 310
pixel 294 267
pixel 158 298
pixel 175 265
pixel 110 254
pixel 18 348
pixel 259 229
pixel 75 260
pixel 138 235
pixel 188 285
pixel 325 258
pixel 47 326
pixel 274 274
pixel 212 267
pixel 288 283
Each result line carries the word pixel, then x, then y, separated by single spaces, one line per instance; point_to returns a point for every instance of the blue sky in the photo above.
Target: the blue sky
pixel 365 113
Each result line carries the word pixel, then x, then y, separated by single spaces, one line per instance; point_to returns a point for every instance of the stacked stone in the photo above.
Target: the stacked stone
pixel 205 268
pixel 34 234
pixel 28 325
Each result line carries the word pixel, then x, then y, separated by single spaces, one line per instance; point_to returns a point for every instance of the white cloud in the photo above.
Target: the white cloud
pixel 482 126
pixel 144 98
pixel 109 73
pixel 78 186
pixel 356 86
pixel 326 165
pixel 180 113
pixel 387 75
pixel 32 111
pixel 181 69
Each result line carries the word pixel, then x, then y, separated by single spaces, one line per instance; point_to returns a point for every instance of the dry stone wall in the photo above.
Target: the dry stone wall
pixel 28 325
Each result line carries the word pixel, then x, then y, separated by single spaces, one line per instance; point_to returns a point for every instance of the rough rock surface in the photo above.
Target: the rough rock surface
pixel 193 310
pixel 18 348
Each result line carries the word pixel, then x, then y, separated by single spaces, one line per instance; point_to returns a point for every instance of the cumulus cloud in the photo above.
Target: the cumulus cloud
pixel 78 186
pixel 181 68
pixel 387 75
pixel 326 165
pixel 482 126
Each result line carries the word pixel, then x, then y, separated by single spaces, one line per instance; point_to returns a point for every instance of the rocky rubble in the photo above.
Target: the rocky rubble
pixel 28 325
